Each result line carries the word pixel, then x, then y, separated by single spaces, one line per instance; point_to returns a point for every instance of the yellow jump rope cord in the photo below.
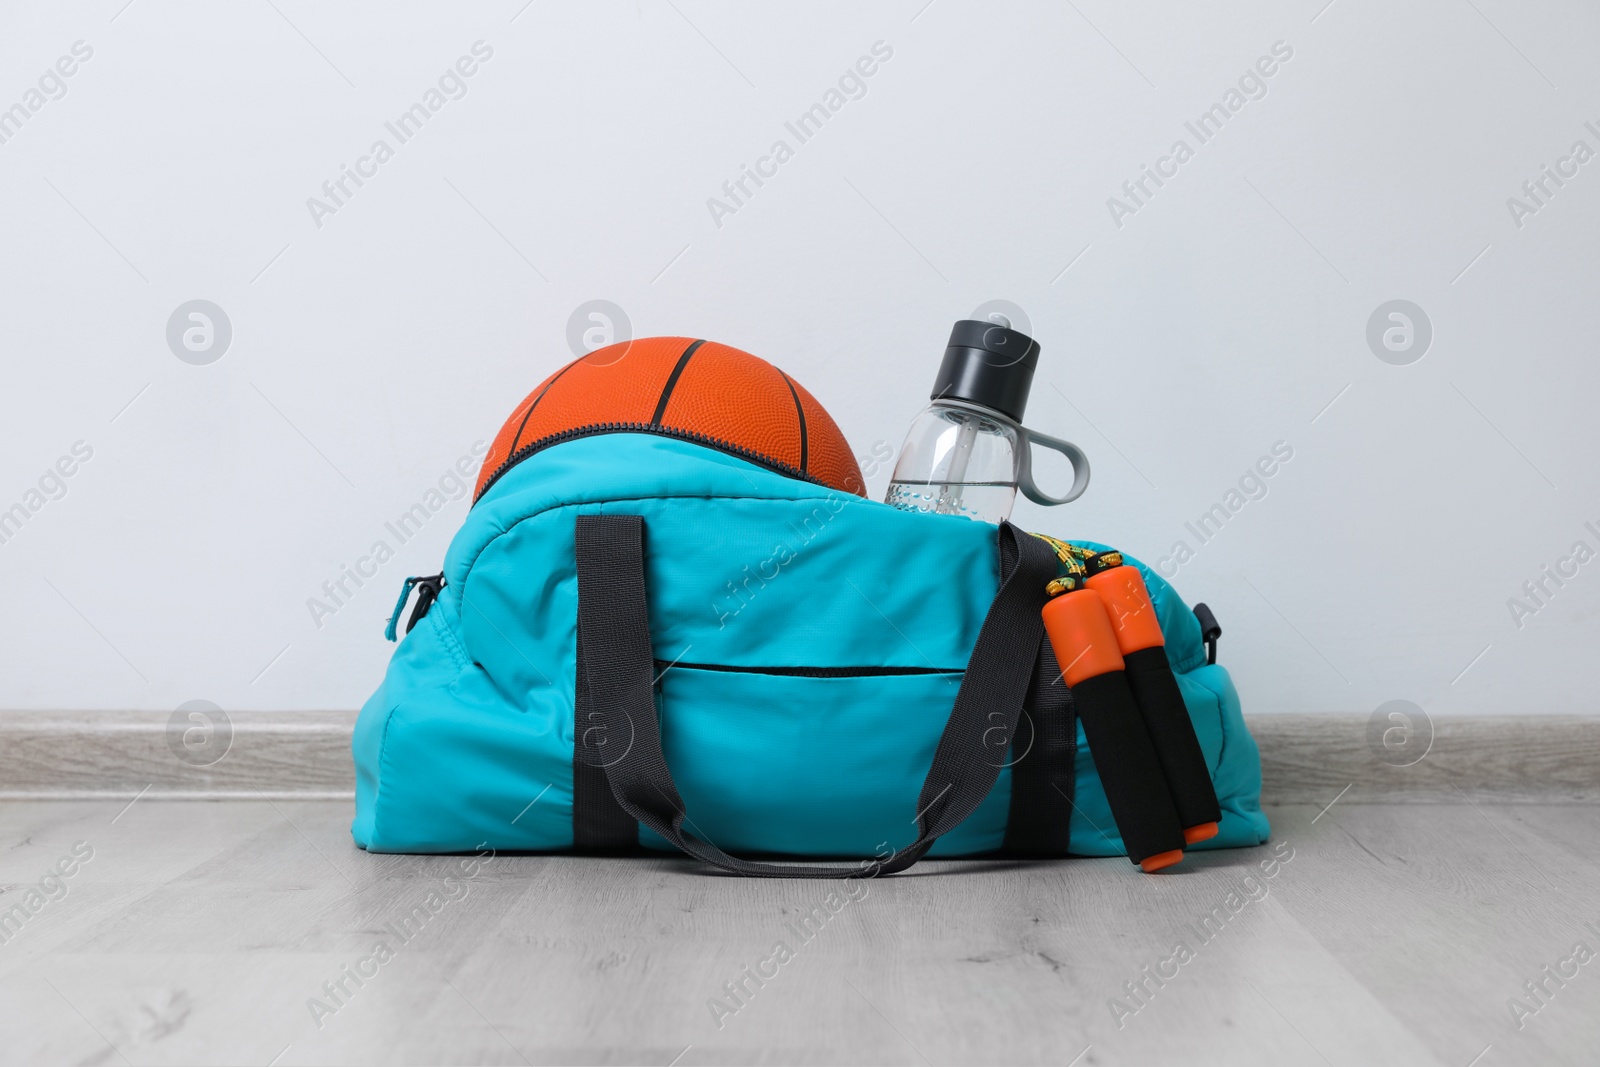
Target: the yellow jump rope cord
pixel 1079 563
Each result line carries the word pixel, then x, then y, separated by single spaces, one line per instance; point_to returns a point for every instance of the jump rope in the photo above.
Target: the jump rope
pixel 1103 628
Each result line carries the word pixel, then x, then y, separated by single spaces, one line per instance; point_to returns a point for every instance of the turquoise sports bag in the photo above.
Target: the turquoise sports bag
pixel 642 641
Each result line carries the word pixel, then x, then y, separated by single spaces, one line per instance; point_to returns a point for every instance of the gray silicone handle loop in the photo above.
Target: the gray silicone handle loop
pixel 1075 456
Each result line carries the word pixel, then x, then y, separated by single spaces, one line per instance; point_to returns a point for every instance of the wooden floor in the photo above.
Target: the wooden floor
pixel 204 933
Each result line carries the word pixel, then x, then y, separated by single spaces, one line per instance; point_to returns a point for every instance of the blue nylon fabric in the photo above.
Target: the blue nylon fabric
pixel 468 741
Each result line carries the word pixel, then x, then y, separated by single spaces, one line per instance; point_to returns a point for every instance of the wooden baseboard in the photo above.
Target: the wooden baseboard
pixel 1305 759
pixel 94 755
pixel 1500 758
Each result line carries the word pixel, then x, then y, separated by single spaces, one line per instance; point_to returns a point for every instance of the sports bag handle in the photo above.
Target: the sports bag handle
pixel 619 670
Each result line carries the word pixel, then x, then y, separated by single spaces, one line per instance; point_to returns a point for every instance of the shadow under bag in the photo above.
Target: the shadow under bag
pixel 641 642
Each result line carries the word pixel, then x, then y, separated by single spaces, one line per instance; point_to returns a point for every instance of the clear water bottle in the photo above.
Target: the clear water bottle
pixel 968 452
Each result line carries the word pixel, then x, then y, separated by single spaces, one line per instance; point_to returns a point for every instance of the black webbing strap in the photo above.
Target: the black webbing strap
pixel 619 670
pixel 1042 774
pixel 598 822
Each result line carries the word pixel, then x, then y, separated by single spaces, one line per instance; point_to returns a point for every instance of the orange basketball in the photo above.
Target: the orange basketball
pixel 697 391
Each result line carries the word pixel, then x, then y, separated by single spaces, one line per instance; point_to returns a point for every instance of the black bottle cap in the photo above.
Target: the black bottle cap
pixel 988 364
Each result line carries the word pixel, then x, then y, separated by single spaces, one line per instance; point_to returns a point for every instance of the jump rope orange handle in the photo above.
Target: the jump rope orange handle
pixel 1155 691
pixel 1086 645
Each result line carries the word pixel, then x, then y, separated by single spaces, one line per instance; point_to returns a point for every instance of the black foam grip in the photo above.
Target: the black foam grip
pixel 1137 791
pixel 1166 717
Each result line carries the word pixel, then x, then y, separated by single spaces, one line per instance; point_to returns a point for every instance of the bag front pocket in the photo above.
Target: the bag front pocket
pixel 816 761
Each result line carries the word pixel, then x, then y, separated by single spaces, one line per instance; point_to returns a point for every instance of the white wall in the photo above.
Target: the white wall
pixel 1225 314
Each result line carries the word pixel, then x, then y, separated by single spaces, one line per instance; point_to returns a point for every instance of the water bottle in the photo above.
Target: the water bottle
pixel 968 452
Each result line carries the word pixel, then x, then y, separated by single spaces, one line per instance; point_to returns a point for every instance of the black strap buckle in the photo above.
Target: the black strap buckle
pixel 1210 630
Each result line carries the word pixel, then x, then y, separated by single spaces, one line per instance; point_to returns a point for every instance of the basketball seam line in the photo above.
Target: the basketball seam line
pixel 777 466
pixel 800 412
pixel 517 440
pixel 672 383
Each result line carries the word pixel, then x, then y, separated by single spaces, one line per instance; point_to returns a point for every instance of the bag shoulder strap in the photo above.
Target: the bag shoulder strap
pixel 1043 774
pixel 619 666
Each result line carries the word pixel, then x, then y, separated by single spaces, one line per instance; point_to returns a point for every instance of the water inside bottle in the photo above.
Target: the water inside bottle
pixel 975 500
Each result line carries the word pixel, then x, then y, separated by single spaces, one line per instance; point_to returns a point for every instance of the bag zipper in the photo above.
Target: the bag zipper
pixel 811 672
pixel 693 437
pixel 427 588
